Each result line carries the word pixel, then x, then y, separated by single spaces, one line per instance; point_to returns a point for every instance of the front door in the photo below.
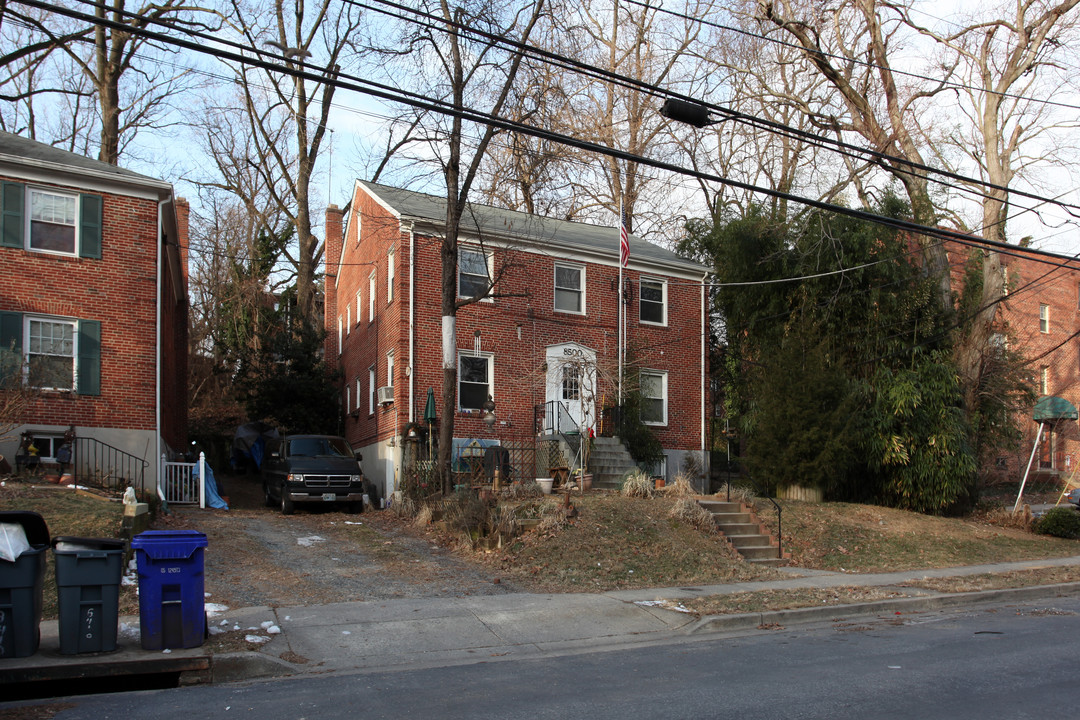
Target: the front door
pixel 571 388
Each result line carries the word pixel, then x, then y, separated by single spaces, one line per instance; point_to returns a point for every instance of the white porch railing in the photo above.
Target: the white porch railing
pixel 181 483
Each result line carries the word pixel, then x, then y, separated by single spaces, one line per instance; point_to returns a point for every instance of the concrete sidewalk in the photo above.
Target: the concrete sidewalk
pixel 388 634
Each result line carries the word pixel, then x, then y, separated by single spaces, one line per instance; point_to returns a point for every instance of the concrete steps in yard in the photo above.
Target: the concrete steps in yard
pixel 609 461
pixel 745 532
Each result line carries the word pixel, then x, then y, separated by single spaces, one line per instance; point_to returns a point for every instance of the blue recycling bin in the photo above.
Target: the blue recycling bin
pixel 21 583
pixel 172 611
pixel 88 574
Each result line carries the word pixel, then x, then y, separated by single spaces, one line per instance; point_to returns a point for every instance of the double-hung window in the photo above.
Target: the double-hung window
pixel 474 380
pixel 653 302
pixel 390 269
pixel 372 400
pixel 51 221
pixel 359 306
pixel 1044 318
pixel 569 288
pixel 372 281
pixel 474 277
pixel 50 353
pixel 653 397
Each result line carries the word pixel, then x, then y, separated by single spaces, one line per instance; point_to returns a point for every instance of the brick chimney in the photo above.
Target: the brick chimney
pixel 331 256
pixel 183 211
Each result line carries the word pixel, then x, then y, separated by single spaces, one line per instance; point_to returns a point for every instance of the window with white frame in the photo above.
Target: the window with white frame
pixel 359 306
pixel 390 269
pixel 1044 380
pixel 474 273
pixel 652 304
pixel 50 221
pixel 348 398
pixel 359 392
pixel 474 380
pixel 50 353
pixel 390 368
pixel 571 382
pixel 340 335
pixel 653 397
pixel 371 390
pixel 371 287
pixel 348 318
pixel 569 288
pixel 1044 318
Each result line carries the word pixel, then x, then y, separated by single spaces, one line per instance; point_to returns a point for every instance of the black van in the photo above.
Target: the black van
pixel 311 469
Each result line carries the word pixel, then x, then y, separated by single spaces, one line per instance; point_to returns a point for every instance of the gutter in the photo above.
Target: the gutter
pixel 157 340
pixel 412 321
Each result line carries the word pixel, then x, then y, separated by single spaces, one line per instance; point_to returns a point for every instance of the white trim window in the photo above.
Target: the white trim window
pixel 654 394
pixel 359 306
pixel 1044 380
pixel 359 392
pixel 475 373
pixel 340 335
pixel 390 368
pixel 390 270
pixel 569 288
pixel 1044 319
pixel 371 390
pixel 372 283
pixel 51 223
pixel 51 350
pixel 348 319
pixel 474 273
pixel 652 302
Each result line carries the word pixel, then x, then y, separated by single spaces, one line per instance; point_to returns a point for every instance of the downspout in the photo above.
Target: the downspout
pixel 704 379
pixel 157 341
pixel 412 320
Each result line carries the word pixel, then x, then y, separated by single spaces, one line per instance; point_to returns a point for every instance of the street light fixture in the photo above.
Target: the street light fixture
pixel 690 113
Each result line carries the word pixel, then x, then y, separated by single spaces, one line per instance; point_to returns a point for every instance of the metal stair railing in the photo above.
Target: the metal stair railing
pixel 556 419
pixel 100 465
pixel 779 510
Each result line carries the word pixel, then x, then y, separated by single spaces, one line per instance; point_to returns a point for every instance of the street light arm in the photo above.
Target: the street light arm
pixel 687 112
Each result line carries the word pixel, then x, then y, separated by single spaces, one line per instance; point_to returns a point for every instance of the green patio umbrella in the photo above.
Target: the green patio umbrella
pixel 429 416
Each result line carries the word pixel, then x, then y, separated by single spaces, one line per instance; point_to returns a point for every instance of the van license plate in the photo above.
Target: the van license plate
pixel 329 497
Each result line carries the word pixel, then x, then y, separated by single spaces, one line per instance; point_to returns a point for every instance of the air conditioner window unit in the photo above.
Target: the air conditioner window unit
pixel 386 394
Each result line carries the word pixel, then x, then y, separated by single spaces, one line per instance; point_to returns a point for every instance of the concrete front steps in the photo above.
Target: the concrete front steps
pixel 609 461
pixel 745 532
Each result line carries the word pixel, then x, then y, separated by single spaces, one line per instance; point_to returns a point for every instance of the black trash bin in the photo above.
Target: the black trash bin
pixel 88 574
pixel 20 588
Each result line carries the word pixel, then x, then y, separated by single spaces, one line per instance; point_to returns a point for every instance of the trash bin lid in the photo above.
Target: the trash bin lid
pixel 75 544
pixel 37 532
pixel 169 544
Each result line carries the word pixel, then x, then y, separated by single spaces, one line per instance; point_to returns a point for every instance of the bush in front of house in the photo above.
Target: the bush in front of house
pixel 1060 522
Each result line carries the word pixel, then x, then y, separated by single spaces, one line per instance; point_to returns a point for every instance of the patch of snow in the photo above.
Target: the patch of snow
pixel 350 522
pixel 309 540
pixel 666 604
pixel 257 639
pixel 346 632
pixel 215 609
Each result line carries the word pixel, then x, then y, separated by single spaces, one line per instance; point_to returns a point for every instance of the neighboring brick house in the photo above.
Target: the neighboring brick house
pixel 94 300
pixel 555 298
pixel 1040 318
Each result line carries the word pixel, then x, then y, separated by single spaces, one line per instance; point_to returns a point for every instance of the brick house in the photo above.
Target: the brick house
pixel 1041 314
pixel 544 346
pixel 94 302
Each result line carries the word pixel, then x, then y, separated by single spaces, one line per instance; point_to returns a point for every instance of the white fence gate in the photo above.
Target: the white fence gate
pixel 181 483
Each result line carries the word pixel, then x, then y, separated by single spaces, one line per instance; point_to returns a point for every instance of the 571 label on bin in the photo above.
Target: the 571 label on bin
pixel 170 570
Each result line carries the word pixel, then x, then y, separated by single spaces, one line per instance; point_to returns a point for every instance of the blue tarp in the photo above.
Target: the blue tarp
pixel 213 496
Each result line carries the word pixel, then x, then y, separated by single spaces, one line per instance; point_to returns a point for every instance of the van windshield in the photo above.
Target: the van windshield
pixel 319 447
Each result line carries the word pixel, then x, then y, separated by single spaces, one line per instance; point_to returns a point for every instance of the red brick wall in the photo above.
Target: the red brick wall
pixel 174 337
pixel 119 291
pixel 527 284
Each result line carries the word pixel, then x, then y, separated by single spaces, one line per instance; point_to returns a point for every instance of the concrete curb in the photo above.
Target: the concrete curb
pixel 833 613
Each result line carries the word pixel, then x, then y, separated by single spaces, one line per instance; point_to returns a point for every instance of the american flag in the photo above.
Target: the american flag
pixel 624 241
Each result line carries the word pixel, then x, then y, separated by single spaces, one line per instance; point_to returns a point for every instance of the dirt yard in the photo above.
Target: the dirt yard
pixel 256 556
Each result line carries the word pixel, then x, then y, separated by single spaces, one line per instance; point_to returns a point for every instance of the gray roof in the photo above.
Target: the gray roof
pixel 576 237
pixel 37 153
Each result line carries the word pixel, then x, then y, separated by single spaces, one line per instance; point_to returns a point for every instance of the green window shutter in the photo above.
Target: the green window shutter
pixel 89 357
pixel 11 325
pixel 90 226
pixel 11 234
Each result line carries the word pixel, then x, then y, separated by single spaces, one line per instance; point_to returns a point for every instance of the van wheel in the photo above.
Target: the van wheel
pixel 268 499
pixel 356 507
pixel 287 505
